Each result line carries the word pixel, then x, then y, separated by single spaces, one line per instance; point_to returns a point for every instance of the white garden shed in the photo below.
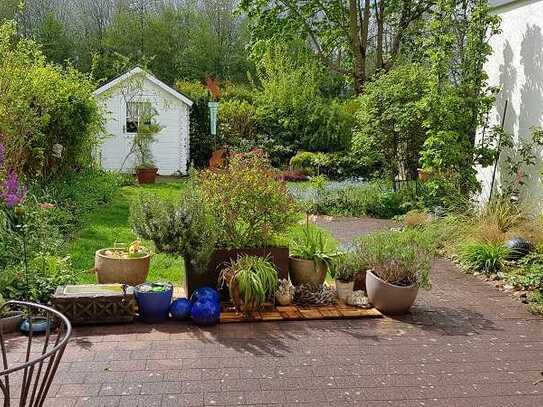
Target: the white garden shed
pixel 123 101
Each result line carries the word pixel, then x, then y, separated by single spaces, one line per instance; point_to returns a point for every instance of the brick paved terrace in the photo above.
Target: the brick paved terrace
pixel 464 344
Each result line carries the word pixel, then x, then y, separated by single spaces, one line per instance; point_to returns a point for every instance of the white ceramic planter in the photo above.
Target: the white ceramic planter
pixel 387 298
pixel 344 290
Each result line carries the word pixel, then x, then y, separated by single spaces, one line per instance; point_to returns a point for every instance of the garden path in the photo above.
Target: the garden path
pixel 464 345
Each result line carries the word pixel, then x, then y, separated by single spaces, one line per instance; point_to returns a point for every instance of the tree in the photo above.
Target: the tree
pixel 338 32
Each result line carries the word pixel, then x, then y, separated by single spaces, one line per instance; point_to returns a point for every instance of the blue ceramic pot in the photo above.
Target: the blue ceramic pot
pixel 38 326
pixel 153 301
pixel 180 309
pixel 206 312
pixel 205 293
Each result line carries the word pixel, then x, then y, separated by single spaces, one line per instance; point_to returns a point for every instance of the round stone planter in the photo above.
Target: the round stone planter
pixel 344 290
pixel 11 321
pixel 307 271
pixel 387 298
pixel 112 270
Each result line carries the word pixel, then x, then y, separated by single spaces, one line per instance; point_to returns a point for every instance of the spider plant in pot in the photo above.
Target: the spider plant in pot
pixel 343 270
pixel 398 265
pixel 251 281
pixel 311 254
pixel 284 295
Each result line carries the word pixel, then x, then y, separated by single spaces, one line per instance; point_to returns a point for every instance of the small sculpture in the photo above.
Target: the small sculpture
pixel 285 292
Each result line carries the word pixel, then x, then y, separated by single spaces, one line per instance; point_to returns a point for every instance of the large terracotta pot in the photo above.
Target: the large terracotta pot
pixel 387 298
pixel 146 175
pixel 307 271
pixel 110 270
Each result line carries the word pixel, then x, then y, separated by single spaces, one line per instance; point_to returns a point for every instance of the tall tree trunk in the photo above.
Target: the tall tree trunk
pixel 380 20
pixel 364 29
pixel 359 58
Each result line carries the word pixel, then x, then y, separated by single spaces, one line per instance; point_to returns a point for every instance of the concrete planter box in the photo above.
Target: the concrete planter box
pixel 387 298
pixel 221 258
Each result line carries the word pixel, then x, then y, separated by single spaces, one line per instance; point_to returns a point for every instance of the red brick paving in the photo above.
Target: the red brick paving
pixel 464 345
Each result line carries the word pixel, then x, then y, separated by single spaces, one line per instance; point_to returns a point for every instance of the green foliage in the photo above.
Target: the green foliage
pixel 313 244
pixel 43 105
pixel 391 117
pixel 487 258
pixel 536 303
pixel 530 274
pixel 251 279
pixel 237 121
pixel 291 106
pixel 345 266
pixel 372 199
pixel 73 196
pixel 201 142
pixel 249 205
pixel 45 274
pixel 187 229
pixel 400 258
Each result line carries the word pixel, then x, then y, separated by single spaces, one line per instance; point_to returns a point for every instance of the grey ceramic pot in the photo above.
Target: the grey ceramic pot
pixel 387 298
pixel 307 271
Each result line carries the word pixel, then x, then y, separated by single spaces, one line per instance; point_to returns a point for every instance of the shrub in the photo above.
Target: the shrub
pixel 391 118
pixel 249 205
pixel 201 142
pixel 487 258
pixel 344 267
pixel 45 274
pixel 237 121
pixel 400 258
pixel 292 108
pixel 187 229
pixel 44 106
pixel 530 274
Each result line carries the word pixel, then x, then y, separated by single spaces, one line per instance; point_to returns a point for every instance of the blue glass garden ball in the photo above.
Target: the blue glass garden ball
pixel 205 293
pixel 206 312
pixel 180 309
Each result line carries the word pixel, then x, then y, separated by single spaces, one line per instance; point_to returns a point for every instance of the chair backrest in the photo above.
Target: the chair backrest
pixel 31 352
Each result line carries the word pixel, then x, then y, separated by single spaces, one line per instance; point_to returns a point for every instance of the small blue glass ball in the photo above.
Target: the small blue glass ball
pixel 180 309
pixel 206 312
pixel 205 293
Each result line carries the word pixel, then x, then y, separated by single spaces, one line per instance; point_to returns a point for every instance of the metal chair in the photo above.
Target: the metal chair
pixel 26 380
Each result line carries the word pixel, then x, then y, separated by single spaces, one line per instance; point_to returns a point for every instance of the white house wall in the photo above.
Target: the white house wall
pixel 170 150
pixel 516 66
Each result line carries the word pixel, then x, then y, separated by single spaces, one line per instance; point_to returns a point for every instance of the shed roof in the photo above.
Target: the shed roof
pixel 136 71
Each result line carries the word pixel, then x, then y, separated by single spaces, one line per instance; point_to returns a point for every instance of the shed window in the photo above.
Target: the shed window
pixel 137 112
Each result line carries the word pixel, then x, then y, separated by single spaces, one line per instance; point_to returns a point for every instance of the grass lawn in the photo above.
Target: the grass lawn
pixel 109 225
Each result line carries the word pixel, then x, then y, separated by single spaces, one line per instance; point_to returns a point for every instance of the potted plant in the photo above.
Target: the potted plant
pixel 9 320
pixel 154 301
pixel 311 255
pixel 284 295
pixel 343 270
pixel 399 264
pixel 251 281
pixel 238 209
pixel 123 264
pixel 148 128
